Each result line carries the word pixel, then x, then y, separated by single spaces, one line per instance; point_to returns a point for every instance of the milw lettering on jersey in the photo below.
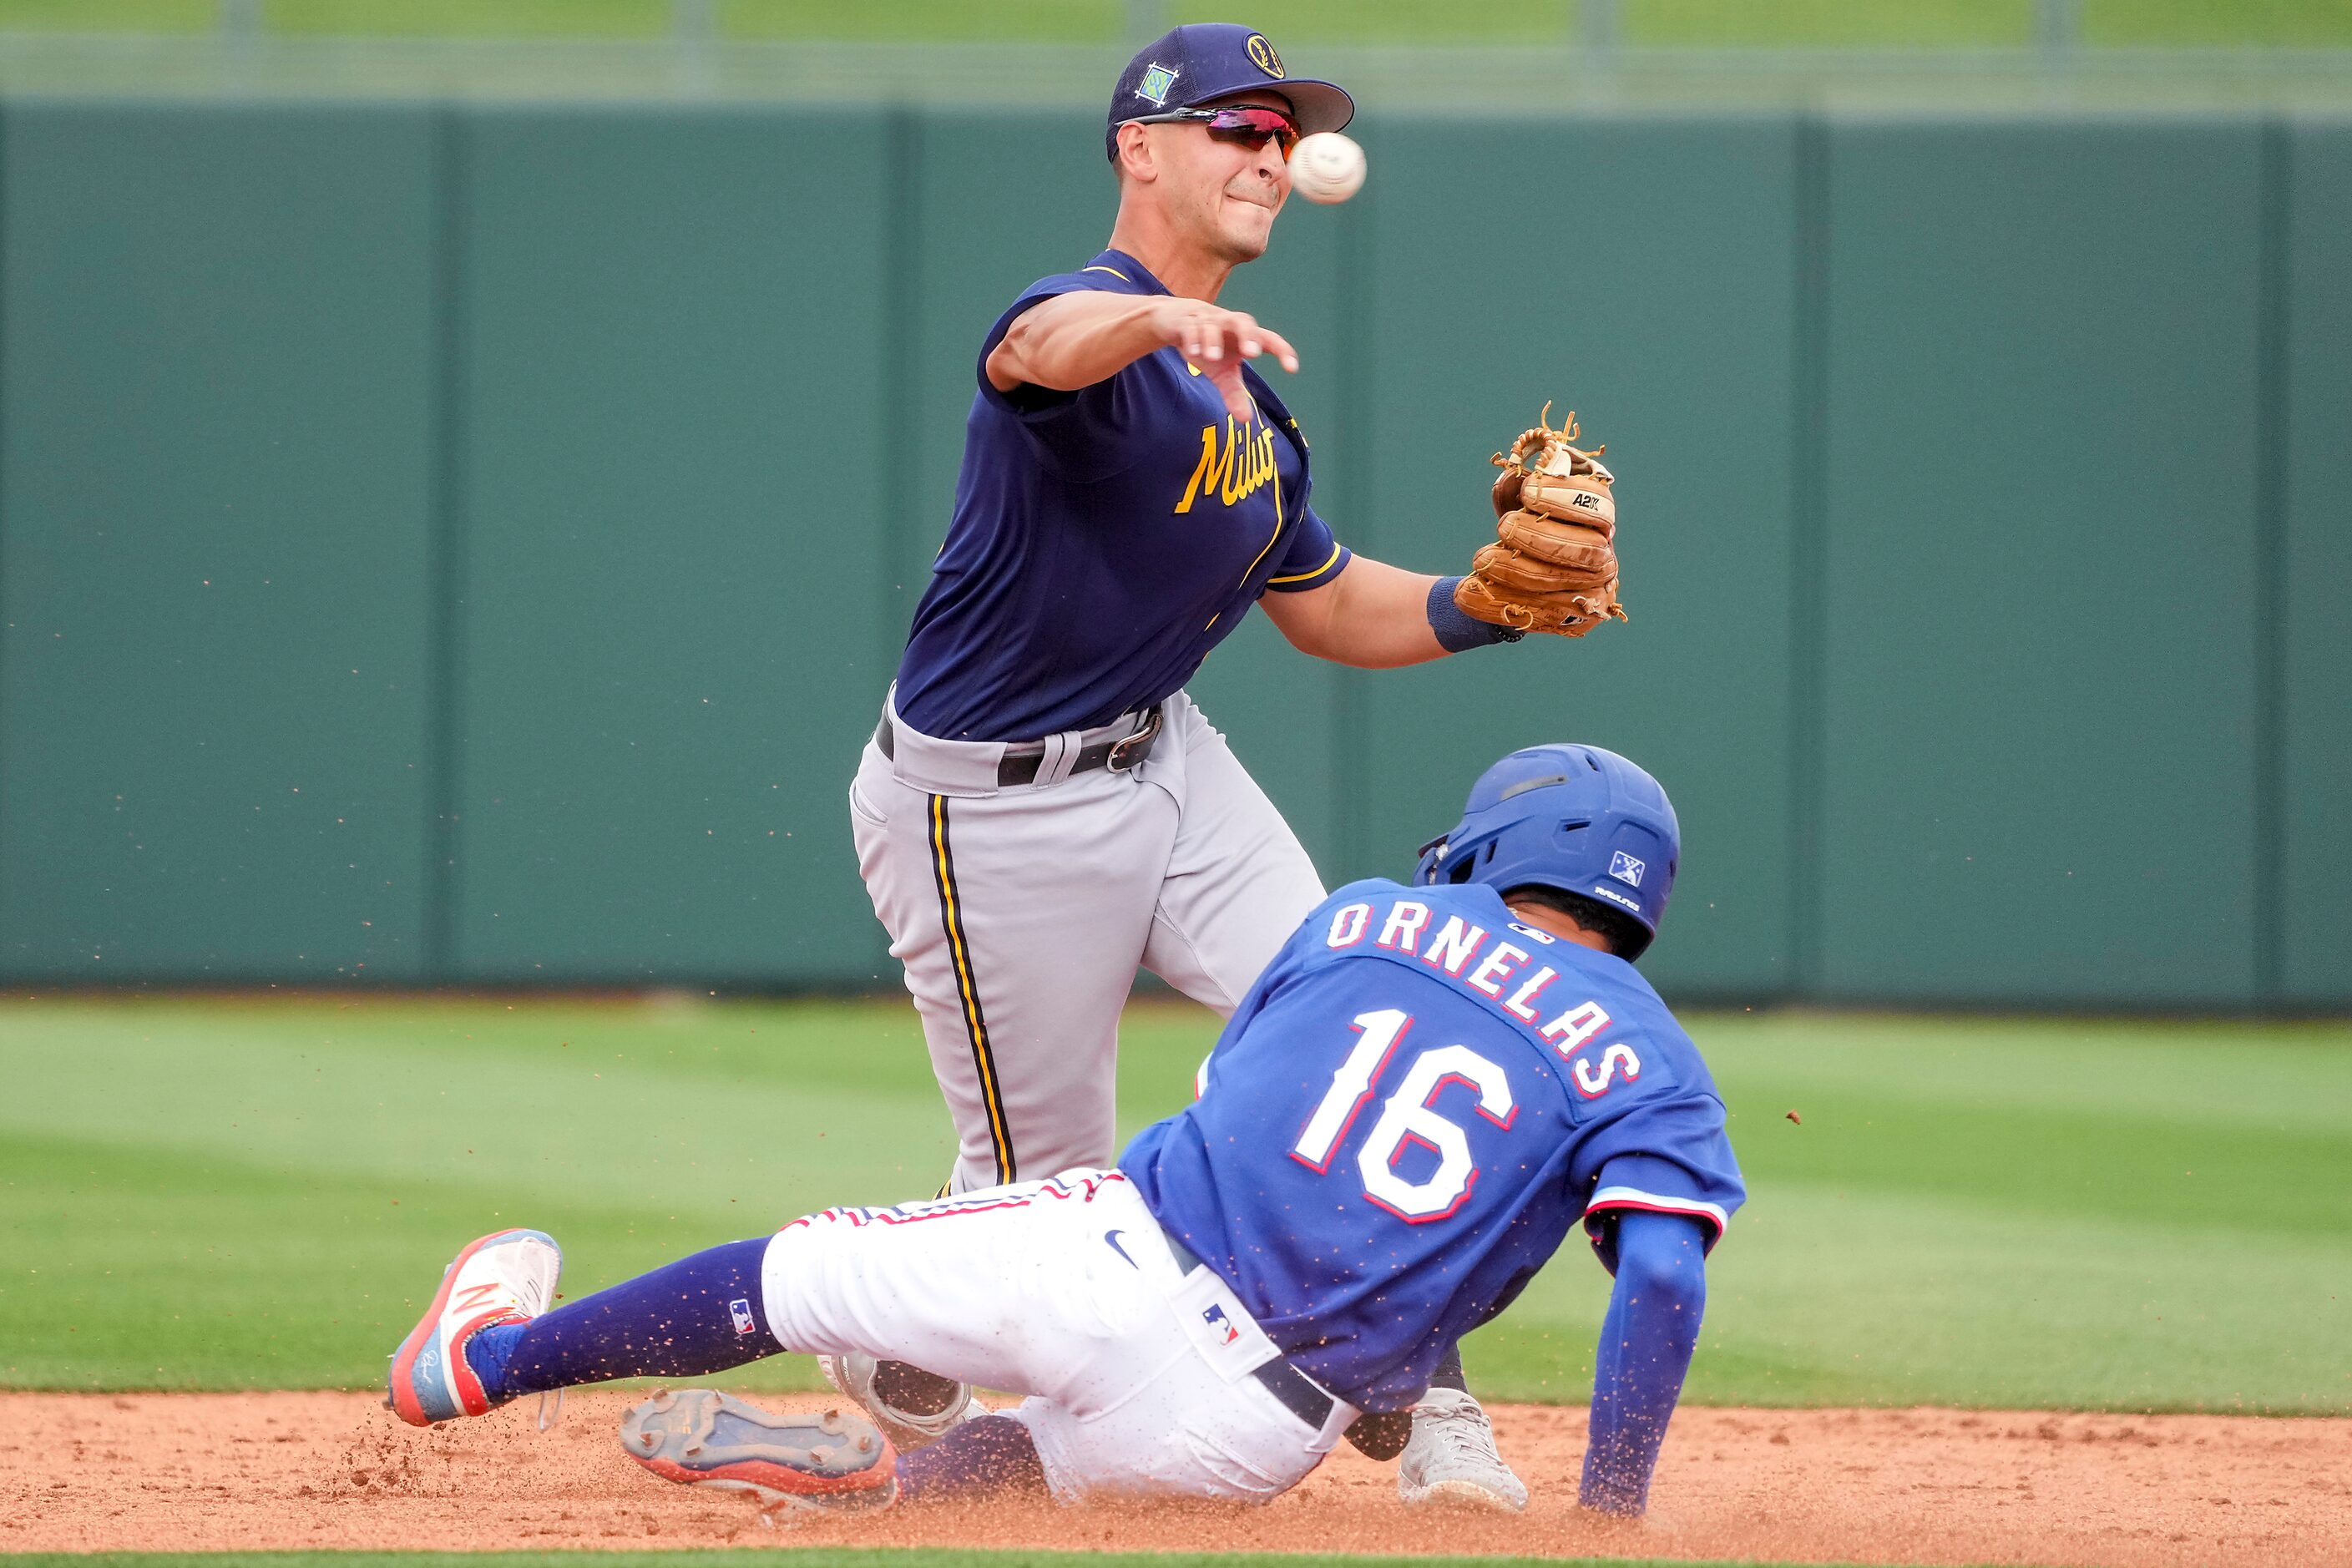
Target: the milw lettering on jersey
pixel 1234 469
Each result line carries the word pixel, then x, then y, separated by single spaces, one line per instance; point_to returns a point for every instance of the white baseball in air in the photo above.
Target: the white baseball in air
pixel 1327 167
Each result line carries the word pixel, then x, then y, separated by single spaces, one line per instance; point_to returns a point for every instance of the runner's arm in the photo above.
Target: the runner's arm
pixel 1647 1341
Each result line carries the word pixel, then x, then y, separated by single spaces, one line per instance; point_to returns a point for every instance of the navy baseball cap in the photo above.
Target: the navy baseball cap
pixel 1206 60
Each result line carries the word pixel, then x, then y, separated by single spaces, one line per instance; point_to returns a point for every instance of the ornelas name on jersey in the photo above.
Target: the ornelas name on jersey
pixel 1510 975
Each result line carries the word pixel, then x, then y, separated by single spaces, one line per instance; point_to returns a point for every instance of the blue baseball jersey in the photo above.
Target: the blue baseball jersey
pixel 1408 1112
pixel 1104 539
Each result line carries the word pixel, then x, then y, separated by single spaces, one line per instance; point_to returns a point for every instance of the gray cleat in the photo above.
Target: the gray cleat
pixel 702 1438
pixel 1451 1458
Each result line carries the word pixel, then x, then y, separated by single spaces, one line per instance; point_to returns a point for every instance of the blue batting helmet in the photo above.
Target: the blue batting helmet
pixel 1575 818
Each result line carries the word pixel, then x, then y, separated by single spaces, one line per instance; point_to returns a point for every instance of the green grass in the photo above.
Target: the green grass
pixel 237 1192
pixel 1104 21
pixel 2109 1215
pixel 1017 21
pixel 1833 23
pixel 2284 24
pixel 1767 24
pixel 110 15
pixel 461 18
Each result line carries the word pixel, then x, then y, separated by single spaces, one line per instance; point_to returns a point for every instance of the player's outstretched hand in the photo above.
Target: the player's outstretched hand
pixel 1219 341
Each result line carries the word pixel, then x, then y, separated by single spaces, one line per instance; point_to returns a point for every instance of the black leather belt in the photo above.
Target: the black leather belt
pixel 1022 761
pixel 1300 1395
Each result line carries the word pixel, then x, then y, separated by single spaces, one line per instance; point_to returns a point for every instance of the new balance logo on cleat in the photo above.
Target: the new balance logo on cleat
pixel 506 1276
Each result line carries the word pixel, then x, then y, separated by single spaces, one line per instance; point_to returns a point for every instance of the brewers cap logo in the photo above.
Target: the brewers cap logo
pixel 1156 82
pixel 1262 56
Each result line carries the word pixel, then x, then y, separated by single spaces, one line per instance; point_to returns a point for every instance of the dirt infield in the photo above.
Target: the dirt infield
pixel 195 1472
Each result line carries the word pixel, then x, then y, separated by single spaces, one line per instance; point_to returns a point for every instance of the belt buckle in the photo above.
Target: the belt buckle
pixel 1124 760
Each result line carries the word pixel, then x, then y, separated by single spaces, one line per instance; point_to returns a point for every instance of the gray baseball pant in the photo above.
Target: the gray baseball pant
pixel 1020 915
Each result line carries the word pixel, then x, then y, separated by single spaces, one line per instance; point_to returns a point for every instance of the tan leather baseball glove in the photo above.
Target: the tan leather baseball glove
pixel 1553 567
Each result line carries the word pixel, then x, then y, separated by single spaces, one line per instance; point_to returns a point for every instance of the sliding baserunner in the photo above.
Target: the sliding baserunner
pixel 1421 1094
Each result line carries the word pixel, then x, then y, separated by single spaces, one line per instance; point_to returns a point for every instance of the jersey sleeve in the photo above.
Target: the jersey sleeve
pixel 1314 558
pixel 1075 426
pixel 1667 1156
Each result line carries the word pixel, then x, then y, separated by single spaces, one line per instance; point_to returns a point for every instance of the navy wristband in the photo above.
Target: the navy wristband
pixel 1457 632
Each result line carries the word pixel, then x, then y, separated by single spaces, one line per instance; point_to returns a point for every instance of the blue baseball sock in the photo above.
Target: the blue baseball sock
pixel 701 1314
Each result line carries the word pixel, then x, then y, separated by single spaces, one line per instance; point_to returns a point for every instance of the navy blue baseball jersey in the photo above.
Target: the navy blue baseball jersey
pixel 1409 1111
pixel 1104 539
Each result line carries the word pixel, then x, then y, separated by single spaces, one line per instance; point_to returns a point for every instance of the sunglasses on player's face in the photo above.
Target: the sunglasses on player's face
pixel 1244 125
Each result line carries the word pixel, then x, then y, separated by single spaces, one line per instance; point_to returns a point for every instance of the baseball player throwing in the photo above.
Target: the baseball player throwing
pixel 1041 809
pixel 1403 1120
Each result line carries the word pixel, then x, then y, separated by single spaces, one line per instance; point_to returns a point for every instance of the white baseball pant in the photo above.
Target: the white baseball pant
pixel 1020 915
pixel 1064 1291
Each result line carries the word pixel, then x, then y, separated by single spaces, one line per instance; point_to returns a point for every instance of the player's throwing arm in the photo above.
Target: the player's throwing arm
pixel 1077 340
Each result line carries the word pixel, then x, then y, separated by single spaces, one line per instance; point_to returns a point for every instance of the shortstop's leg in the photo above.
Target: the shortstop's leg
pixel 1237 882
pixel 1019 918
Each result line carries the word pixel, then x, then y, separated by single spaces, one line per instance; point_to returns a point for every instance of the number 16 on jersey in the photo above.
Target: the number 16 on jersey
pixel 1409 1116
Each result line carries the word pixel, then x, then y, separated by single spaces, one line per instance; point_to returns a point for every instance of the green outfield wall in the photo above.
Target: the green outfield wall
pixel 469 545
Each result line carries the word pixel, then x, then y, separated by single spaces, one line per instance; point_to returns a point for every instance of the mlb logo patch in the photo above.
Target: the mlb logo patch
pixel 1216 1317
pixel 1157 80
pixel 1626 868
pixel 740 1310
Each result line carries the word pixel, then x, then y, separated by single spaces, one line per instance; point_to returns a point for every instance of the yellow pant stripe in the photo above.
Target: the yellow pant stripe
pixel 975 1023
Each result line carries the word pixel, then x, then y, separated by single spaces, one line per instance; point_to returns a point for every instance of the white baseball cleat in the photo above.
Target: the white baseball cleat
pixel 1451 1458
pixel 854 1375
pixel 506 1276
